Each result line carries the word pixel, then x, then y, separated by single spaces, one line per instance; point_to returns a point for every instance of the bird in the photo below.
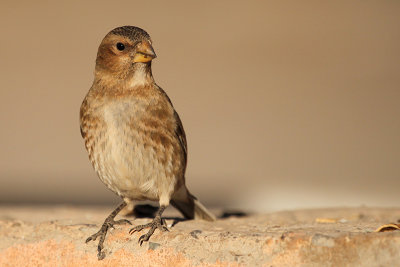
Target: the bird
pixel 133 135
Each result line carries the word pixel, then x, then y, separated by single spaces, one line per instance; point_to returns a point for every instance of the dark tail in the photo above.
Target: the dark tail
pixel 190 207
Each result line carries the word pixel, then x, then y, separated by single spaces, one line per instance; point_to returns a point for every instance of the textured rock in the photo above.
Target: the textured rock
pixel 54 236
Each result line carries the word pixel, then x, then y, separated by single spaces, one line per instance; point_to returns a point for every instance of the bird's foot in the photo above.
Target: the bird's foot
pixel 156 223
pixel 108 223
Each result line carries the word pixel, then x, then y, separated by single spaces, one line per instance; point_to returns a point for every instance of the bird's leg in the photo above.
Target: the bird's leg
pixel 108 223
pixel 156 223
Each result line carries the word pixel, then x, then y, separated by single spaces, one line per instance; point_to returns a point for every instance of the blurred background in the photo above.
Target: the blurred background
pixel 286 104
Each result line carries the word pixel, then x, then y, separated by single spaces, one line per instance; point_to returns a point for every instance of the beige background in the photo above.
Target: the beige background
pixel 286 104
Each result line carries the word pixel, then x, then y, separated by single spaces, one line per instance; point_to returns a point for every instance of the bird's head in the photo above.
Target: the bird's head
pixel 123 52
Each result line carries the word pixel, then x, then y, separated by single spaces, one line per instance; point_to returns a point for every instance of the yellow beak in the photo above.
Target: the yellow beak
pixel 144 52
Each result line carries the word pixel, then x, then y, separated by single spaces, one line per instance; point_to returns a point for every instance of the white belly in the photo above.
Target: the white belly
pixel 126 166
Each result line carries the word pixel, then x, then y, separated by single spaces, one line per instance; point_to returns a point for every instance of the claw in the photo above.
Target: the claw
pixel 157 223
pixel 93 237
pixel 101 255
pixel 108 223
pixel 139 228
pixel 162 226
pixel 102 233
pixel 133 230
pixel 141 240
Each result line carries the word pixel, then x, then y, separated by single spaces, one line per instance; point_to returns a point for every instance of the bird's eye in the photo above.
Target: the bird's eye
pixel 120 46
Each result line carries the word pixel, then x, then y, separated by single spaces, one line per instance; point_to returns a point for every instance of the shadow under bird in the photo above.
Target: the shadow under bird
pixel 133 135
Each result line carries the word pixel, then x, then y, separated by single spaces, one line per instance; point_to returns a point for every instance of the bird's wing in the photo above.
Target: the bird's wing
pixel 82 112
pixel 82 133
pixel 179 131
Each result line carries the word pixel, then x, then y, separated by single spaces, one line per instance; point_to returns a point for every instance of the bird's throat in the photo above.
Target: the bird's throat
pixel 140 76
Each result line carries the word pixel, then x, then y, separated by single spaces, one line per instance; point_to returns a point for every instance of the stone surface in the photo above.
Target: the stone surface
pixel 55 235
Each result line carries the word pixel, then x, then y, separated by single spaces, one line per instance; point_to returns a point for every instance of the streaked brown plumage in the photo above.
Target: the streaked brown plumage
pixel 134 137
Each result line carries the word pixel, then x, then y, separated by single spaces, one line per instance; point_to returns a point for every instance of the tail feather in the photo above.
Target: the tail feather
pixel 190 207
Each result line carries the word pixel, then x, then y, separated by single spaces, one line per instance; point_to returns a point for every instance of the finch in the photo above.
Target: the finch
pixel 133 135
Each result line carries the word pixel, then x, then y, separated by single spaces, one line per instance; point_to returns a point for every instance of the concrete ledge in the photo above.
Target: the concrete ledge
pixel 55 235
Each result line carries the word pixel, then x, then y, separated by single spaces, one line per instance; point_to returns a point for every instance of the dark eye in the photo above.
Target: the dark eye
pixel 120 46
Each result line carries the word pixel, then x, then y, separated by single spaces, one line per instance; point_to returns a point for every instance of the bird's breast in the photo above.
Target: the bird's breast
pixel 126 155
